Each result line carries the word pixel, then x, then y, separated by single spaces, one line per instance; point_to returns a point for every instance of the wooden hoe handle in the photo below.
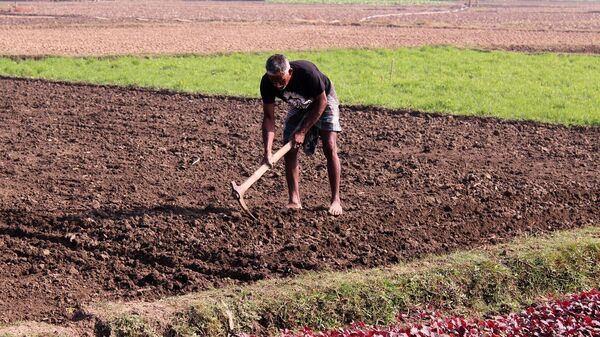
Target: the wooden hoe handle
pixel 264 168
pixel 239 191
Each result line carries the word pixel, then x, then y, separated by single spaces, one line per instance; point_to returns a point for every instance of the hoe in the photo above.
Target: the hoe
pixel 239 191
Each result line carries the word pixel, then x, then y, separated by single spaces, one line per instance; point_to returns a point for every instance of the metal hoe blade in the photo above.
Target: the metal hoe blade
pixel 235 192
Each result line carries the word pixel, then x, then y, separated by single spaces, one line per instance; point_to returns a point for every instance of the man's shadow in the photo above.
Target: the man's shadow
pixel 188 213
pixel 35 224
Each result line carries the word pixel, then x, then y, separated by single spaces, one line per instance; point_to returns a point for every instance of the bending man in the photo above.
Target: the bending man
pixel 313 113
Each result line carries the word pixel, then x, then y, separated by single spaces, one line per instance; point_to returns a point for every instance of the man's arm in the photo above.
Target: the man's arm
pixel 317 109
pixel 268 131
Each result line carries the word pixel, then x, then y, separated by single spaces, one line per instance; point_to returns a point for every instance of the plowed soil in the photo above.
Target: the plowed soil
pixel 177 27
pixel 116 193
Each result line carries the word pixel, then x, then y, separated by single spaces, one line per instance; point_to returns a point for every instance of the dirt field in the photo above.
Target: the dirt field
pixel 176 27
pixel 110 193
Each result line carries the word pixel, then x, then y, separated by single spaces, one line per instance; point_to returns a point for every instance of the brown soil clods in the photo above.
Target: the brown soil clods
pixel 122 193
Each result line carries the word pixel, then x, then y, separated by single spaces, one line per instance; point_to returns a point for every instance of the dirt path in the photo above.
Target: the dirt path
pixel 178 27
pixel 99 198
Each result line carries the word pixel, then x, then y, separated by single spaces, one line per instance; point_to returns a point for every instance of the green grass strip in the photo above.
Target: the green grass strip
pixel 554 88
pixel 489 280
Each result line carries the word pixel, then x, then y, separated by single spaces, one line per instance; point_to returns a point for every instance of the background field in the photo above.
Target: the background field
pixel 203 27
pixel 363 2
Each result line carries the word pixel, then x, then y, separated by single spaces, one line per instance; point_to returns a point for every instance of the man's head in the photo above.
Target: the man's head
pixel 279 71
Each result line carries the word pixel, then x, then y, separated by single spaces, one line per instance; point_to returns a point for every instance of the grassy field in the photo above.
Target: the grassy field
pixel 555 88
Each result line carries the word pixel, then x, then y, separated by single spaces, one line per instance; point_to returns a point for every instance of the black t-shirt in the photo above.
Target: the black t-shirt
pixel 306 83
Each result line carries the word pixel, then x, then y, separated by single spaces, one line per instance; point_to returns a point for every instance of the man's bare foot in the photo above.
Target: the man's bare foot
pixel 336 208
pixel 292 206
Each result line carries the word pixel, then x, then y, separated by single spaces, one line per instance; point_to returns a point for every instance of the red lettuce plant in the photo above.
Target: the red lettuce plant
pixel 576 315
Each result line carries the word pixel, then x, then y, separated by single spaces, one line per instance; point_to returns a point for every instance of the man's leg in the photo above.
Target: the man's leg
pixel 292 176
pixel 333 170
pixel 292 167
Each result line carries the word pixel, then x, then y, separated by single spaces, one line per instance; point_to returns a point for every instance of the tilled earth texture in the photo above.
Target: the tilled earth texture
pixel 179 27
pixel 124 193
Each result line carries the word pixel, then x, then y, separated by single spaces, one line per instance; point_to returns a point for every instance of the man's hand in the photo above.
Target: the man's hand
pixel 268 159
pixel 298 139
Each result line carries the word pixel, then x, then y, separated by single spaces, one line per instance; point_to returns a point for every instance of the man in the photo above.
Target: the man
pixel 313 113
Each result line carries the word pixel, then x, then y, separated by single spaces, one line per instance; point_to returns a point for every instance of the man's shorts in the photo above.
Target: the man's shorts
pixel 329 121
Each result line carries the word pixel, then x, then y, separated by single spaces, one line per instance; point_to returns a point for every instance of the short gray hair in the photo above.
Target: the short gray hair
pixel 277 64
